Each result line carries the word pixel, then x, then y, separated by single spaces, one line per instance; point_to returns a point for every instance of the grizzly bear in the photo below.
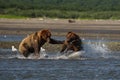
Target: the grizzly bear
pixel 71 21
pixel 72 42
pixel 34 42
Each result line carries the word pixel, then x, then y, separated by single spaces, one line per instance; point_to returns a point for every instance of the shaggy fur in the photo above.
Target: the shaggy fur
pixel 34 42
pixel 72 42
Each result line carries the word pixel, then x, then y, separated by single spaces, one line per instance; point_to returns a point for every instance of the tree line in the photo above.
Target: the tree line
pixel 85 9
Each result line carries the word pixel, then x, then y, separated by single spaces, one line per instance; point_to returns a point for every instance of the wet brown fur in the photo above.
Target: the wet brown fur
pixel 72 42
pixel 34 42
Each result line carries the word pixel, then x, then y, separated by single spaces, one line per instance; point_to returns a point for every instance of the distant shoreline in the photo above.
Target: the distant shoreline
pixel 59 27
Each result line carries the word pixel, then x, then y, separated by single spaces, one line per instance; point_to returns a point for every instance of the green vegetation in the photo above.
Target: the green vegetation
pixel 12 16
pixel 76 9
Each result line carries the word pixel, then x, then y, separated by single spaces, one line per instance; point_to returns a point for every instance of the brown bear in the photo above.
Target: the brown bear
pixel 72 42
pixel 34 42
pixel 71 21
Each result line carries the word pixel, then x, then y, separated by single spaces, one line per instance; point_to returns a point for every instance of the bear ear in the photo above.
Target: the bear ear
pixel 69 34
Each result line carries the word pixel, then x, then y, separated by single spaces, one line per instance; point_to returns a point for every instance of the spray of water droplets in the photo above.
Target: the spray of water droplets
pixel 92 49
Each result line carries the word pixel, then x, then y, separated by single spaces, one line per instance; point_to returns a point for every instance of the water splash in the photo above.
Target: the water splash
pixel 99 49
pixel 92 49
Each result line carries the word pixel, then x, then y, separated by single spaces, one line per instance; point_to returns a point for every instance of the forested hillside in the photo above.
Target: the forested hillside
pixel 85 9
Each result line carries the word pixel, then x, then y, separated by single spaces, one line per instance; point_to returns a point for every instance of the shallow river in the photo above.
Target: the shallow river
pixel 99 63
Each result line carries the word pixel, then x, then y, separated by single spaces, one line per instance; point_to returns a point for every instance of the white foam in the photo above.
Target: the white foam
pixel 92 49
pixel 76 55
pixel 96 49
pixel 42 55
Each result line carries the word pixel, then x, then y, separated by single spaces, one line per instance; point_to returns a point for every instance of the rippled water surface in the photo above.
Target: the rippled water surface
pixel 99 63
pixel 95 69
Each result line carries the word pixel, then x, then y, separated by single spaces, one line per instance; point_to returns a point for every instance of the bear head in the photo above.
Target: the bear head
pixel 71 36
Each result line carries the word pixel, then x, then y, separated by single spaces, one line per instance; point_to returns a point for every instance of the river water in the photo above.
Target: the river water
pixel 99 63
